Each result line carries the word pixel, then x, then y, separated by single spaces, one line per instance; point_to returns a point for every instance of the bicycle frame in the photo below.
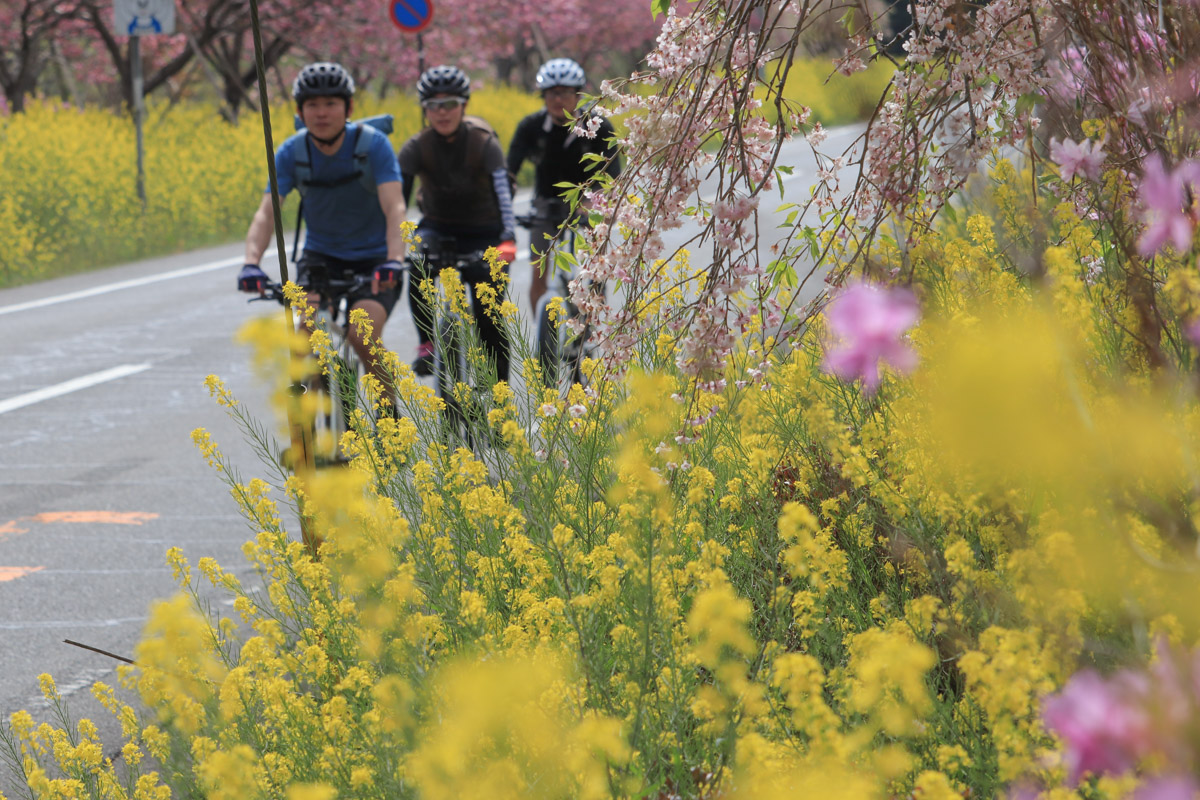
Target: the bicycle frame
pixel 336 388
pixel 451 366
pixel 559 350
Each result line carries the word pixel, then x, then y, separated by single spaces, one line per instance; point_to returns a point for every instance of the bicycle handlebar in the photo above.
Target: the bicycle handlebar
pixel 331 289
pixel 529 220
pixel 452 259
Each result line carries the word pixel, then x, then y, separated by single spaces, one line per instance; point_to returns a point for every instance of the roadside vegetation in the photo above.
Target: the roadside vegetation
pixel 929 532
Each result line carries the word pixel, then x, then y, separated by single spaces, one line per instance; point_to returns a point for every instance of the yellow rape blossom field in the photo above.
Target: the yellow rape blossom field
pixel 70 201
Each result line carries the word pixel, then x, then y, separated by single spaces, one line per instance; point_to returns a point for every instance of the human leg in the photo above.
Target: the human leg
pixel 548 216
pixel 487 321
pixel 421 306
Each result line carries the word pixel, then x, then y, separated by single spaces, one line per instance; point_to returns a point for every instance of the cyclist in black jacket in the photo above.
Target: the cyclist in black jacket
pixel 546 138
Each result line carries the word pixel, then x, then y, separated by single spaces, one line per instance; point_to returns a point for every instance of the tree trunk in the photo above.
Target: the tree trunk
pixel 20 80
pixel 68 86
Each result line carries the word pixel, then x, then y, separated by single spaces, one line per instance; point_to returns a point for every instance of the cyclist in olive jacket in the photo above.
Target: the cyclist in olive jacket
pixel 464 195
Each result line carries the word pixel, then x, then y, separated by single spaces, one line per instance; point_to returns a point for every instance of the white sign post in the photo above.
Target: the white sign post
pixel 142 17
pixel 135 19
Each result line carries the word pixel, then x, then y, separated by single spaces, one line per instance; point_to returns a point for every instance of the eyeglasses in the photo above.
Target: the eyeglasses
pixel 561 91
pixel 443 104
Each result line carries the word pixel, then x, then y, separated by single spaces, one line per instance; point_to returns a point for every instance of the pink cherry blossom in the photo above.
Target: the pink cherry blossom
pixel 868 323
pixel 1105 728
pixel 1164 195
pixel 1084 158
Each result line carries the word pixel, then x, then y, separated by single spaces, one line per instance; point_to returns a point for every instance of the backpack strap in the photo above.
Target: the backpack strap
pixel 477 144
pixel 362 156
pixel 302 171
pixel 363 172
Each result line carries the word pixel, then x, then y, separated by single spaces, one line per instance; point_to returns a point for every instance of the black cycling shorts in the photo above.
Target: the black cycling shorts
pixel 312 266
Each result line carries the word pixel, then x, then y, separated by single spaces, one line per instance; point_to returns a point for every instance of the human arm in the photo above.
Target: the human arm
pixel 407 181
pixel 391 200
pixel 408 161
pixel 508 222
pixel 518 148
pixel 262 225
pixel 606 135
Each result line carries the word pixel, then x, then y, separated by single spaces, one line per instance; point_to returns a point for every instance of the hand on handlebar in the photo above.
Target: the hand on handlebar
pixel 252 279
pixel 386 276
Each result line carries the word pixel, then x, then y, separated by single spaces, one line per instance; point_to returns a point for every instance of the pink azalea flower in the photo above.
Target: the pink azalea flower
pixel 868 323
pixel 1163 194
pixel 1085 158
pixel 1103 729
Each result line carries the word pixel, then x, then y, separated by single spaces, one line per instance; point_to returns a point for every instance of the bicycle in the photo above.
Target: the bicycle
pixel 451 366
pixel 335 389
pixel 559 351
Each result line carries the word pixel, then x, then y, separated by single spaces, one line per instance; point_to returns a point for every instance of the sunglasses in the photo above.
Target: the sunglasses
pixel 443 104
pixel 560 91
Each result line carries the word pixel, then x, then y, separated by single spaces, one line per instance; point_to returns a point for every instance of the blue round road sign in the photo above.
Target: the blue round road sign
pixel 411 15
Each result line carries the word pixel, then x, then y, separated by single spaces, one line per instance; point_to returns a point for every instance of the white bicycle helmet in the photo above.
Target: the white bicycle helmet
pixel 443 80
pixel 560 72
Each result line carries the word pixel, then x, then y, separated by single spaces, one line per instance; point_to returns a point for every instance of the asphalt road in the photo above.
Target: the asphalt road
pixel 101 384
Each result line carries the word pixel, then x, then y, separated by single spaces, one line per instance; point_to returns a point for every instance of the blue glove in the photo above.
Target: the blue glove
pixel 252 279
pixel 388 273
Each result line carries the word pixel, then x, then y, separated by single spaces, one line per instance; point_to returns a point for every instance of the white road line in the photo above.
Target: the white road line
pixel 46 624
pixel 73 385
pixel 86 680
pixel 129 284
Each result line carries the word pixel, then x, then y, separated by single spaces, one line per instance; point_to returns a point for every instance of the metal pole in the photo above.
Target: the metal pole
pixel 420 53
pixel 301 435
pixel 139 113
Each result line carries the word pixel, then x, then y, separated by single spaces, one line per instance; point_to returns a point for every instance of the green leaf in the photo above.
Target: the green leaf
pixel 814 244
pixel 782 273
pixel 564 261
pixel 1028 101
pixel 659 7
pixel 848 20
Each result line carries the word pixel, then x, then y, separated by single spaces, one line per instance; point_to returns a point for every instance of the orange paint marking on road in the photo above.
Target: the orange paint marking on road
pixel 12 573
pixel 106 517
pixel 11 527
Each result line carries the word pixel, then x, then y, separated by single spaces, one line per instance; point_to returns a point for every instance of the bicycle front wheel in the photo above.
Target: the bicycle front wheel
pixel 449 370
pixel 343 379
pixel 550 341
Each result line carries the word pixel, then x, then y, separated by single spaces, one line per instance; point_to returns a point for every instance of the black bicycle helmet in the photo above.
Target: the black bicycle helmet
pixel 560 72
pixel 323 79
pixel 443 80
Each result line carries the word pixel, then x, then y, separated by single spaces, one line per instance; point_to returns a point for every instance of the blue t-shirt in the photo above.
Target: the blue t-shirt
pixel 343 221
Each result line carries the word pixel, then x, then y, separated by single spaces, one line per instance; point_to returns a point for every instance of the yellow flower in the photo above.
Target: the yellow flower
pixel 311 792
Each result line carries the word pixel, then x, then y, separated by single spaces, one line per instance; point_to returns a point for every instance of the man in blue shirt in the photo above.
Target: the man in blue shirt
pixel 353 228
